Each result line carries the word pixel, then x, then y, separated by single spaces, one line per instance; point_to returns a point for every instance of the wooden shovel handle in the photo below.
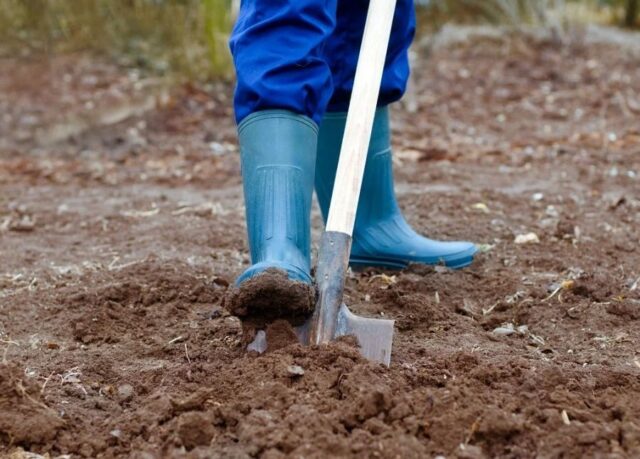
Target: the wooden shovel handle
pixel 362 106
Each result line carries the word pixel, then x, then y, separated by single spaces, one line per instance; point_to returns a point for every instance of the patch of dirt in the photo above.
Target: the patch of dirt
pixel 279 334
pixel 25 420
pixel 270 295
pixel 120 244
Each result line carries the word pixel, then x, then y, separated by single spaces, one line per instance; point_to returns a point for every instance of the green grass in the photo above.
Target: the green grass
pixel 187 37
pixel 542 13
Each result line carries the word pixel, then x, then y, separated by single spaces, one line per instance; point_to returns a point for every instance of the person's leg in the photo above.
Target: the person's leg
pixel 343 47
pixel 381 237
pixel 277 48
pixel 283 85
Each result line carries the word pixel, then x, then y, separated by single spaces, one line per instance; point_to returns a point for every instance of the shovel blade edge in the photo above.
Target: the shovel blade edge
pixel 375 336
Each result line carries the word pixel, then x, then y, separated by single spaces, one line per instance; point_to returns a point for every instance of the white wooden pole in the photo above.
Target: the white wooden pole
pixel 364 98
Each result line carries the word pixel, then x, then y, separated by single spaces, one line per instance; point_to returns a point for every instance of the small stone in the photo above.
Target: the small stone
pixel 480 206
pixel 295 370
pixel 25 224
pixel 551 211
pixel 125 392
pixel 529 238
pixel 217 149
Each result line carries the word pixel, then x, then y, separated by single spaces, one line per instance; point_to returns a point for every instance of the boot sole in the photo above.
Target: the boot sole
pixel 270 294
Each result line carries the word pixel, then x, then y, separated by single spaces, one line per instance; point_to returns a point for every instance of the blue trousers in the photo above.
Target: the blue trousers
pixel 301 55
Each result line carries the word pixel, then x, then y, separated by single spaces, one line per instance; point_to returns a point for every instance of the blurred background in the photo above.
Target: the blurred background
pixel 73 66
pixel 188 38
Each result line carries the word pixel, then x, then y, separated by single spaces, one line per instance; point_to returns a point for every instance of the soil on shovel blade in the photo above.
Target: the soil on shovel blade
pixel 119 242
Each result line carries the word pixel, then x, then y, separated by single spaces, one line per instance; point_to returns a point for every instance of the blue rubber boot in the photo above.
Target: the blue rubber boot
pixel 278 150
pixel 381 236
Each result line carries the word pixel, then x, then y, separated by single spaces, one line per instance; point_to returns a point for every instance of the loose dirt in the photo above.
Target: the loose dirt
pixel 270 295
pixel 119 243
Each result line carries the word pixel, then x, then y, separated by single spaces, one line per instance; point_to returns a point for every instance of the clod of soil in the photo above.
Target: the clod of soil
pixel 25 420
pixel 195 429
pixel 270 295
pixel 280 334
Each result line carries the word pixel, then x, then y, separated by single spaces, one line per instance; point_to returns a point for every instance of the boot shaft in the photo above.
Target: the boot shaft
pixel 377 197
pixel 381 236
pixel 278 150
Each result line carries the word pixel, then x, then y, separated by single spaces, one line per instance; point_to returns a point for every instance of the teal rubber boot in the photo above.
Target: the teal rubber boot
pixel 278 155
pixel 381 235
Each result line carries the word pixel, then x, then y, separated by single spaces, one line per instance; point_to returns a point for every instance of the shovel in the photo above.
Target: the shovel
pixel 331 317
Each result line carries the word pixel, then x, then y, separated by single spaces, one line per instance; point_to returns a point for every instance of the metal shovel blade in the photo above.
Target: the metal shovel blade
pixel 332 318
pixel 375 336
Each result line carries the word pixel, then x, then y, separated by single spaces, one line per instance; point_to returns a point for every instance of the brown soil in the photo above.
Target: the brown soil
pixel 270 295
pixel 119 244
